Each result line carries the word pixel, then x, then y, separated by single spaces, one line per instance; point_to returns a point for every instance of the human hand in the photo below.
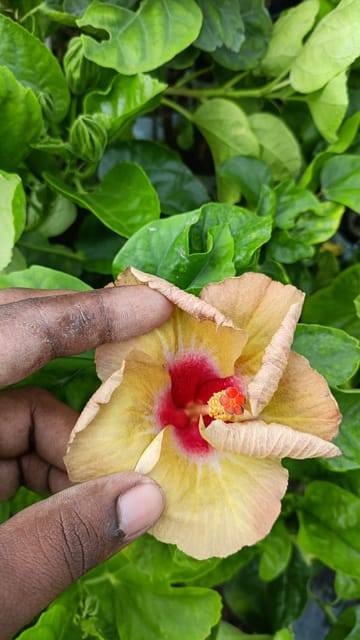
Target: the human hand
pixel 47 546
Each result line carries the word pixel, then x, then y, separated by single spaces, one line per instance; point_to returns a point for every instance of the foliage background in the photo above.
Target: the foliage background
pixel 197 139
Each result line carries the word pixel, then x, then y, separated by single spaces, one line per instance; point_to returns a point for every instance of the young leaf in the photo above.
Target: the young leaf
pixel 329 526
pixel 38 277
pixel 125 98
pixel 12 214
pixel 287 36
pixel 21 120
pixel 124 200
pixel 249 174
pixel 172 25
pixel 329 50
pixel 278 145
pixel 34 66
pixel 328 106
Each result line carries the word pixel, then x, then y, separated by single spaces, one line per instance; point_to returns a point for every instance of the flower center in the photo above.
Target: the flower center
pixel 198 390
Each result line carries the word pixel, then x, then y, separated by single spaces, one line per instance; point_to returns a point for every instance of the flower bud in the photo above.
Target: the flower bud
pixel 88 138
pixel 80 72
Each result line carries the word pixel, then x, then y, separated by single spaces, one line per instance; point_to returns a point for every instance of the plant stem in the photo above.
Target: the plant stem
pixel 223 92
pixel 174 105
pixel 191 76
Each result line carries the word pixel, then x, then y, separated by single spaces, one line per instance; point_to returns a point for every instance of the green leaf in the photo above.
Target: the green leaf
pixel 278 145
pixel 248 174
pixel 291 201
pixel 12 214
pixel 195 248
pixel 329 50
pixel 97 245
pixel 34 66
pixel 287 36
pixel 61 214
pixel 21 121
pixel 257 33
pixel 284 247
pixel 340 180
pixel 332 352
pixel 346 587
pixel 334 305
pixel 163 248
pixel 125 98
pixel 314 228
pixel 56 622
pixel 347 627
pixel 38 277
pixel 275 552
pixel 172 24
pixel 287 596
pixel 226 129
pixel 348 438
pixel 177 187
pixel 123 201
pixel 248 230
pixel 329 526
pixel 38 250
pixel 222 25
pixel 227 631
pixel 328 106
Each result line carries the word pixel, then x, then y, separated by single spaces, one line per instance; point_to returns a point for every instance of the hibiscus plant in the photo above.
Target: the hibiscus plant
pixel 210 150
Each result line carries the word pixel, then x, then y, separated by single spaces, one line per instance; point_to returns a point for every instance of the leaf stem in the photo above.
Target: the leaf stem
pixel 226 90
pixel 191 76
pixel 177 107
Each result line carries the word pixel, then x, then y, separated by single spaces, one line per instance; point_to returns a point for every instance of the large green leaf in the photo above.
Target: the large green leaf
pixel 278 145
pixel 347 627
pixel 258 26
pixel 248 174
pixel 276 551
pixel 332 352
pixel 334 305
pixel 124 200
pixel 177 187
pixel 171 24
pixel 329 50
pixel 21 121
pixel 226 129
pixel 222 25
pixel 12 214
pixel 348 439
pixel 328 106
pixel 38 277
pixel 287 36
pixel 329 526
pixel 163 247
pixel 34 66
pixel 340 180
pixel 126 98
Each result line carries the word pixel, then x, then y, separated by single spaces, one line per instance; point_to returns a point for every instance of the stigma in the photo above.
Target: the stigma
pixel 226 405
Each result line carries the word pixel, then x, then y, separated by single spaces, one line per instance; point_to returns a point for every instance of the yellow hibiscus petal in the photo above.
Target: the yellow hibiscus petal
pixel 303 401
pixel 258 305
pixel 117 425
pixel 159 341
pixel 256 438
pixel 220 505
pixel 266 380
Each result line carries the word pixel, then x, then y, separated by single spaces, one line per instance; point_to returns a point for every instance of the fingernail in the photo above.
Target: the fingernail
pixel 139 508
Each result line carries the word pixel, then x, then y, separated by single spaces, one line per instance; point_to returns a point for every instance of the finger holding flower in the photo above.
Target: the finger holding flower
pixel 208 404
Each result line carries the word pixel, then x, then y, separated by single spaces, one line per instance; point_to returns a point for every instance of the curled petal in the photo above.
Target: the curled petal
pixel 258 305
pixel 264 384
pixel 150 457
pixel 303 401
pixel 163 339
pixel 256 438
pixel 117 425
pixel 217 507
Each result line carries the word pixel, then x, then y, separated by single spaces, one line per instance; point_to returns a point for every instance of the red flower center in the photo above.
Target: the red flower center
pixel 194 382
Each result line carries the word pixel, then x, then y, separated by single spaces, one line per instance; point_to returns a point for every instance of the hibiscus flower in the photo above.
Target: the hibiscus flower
pixel 208 405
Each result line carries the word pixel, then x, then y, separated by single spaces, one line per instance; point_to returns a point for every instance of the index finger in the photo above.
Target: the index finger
pixel 33 331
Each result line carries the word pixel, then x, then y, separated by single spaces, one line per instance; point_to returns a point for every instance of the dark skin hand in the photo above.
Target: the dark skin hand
pixel 47 546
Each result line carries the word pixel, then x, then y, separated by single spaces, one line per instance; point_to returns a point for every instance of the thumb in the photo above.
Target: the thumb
pixel 44 548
